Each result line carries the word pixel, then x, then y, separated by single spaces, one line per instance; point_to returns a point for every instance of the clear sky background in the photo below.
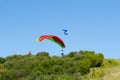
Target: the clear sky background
pixel 93 25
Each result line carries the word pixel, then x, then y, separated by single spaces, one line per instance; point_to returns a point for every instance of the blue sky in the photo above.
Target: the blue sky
pixel 93 25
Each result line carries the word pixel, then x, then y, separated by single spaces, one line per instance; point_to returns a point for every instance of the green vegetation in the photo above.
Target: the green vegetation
pixel 110 70
pixel 74 66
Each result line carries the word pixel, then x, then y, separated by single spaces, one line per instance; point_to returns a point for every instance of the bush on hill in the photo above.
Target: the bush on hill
pixel 44 67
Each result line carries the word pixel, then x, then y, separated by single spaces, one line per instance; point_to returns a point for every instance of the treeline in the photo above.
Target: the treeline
pixel 44 67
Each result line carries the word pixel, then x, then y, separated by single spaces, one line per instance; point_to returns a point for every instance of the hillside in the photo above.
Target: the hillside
pixel 110 71
pixel 82 65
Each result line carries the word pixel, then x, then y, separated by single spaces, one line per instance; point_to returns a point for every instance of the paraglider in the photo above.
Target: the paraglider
pixel 65 32
pixel 62 53
pixel 51 38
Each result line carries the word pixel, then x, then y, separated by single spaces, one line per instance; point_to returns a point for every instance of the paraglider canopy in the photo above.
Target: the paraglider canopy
pixel 52 38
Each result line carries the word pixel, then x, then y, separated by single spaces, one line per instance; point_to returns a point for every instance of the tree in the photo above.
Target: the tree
pixel 2 60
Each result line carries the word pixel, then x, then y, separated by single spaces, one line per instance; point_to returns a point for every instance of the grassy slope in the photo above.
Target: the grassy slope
pixel 111 71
